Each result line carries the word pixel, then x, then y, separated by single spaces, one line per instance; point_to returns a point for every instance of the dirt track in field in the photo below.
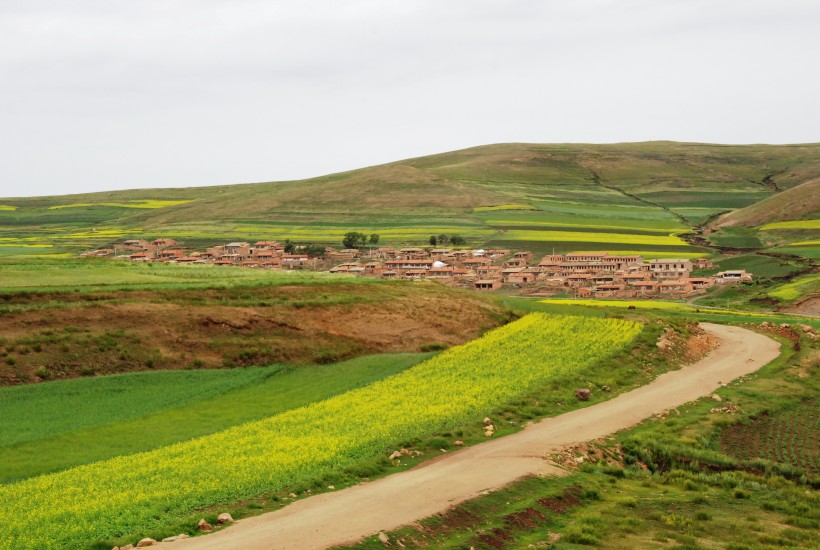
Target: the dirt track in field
pixel 351 514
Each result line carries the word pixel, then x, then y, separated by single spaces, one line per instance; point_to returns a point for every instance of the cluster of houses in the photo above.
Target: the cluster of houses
pixel 583 274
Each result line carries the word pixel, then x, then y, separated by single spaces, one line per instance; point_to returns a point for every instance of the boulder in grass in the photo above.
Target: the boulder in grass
pixel 204 526
pixel 146 542
pixel 396 455
pixel 458 443
pixel 487 421
pixel 383 538
pixel 583 394
pixel 170 539
pixel 224 517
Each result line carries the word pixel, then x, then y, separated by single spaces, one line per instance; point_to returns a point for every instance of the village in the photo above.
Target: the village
pixel 579 274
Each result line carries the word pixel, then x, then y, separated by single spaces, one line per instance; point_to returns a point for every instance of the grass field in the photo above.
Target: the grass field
pixel 32 412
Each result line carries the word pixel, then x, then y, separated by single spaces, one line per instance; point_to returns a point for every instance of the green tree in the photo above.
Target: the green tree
pixel 458 240
pixel 443 239
pixel 433 240
pixel 374 238
pixel 290 247
pixel 354 239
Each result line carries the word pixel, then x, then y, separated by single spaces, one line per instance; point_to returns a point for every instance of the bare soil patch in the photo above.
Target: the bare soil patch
pixel 211 329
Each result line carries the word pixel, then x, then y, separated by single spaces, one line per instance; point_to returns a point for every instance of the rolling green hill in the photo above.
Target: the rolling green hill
pixel 620 198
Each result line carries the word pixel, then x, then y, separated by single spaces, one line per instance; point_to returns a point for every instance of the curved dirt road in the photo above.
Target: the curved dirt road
pixel 351 514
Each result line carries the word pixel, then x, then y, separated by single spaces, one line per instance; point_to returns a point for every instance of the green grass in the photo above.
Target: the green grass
pixel 38 411
pixel 69 275
pixel 759 266
pixel 99 418
pixel 798 288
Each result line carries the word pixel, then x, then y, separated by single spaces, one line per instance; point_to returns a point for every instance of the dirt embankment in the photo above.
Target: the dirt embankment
pixel 206 329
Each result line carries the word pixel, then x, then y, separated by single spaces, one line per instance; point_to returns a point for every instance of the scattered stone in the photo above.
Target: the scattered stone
pixel 583 394
pixel 785 325
pixel 490 428
pixel 204 526
pixel 487 421
pixel 580 459
pixel 384 539
pixel 331 487
pixel 146 542
pixel 716 397
pixel 552 538
pixel 489 433
pixel 395 455
pixel 293 495
pixel 807 328
pixel 458 443
pixel 183 536
pixel 729 408
pixel 224 517
pixel 170 539
pixel 766 324
pixel 606 388
pixel 406 452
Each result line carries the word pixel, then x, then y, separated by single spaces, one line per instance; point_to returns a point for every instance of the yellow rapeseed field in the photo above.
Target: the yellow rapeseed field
pixel 137 493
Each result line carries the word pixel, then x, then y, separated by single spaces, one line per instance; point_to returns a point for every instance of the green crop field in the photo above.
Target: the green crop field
pixel 102 274
pixel 92 419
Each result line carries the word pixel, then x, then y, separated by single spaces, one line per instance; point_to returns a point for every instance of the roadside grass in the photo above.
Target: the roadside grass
pixel 666 482
pixel 624 509
pixel 107 418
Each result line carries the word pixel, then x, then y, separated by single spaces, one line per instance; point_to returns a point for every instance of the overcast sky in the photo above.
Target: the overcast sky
pixel 99 95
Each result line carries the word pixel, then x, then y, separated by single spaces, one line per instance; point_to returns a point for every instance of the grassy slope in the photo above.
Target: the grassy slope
pixel 129 418
pixel 636 186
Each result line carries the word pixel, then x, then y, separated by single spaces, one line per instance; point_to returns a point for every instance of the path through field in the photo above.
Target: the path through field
pixel 356 512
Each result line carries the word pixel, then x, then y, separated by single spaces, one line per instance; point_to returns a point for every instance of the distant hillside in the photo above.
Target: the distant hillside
pixel 631 197
pixel 797 203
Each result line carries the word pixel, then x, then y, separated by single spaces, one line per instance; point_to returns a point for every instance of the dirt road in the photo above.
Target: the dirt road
pixel 356 512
